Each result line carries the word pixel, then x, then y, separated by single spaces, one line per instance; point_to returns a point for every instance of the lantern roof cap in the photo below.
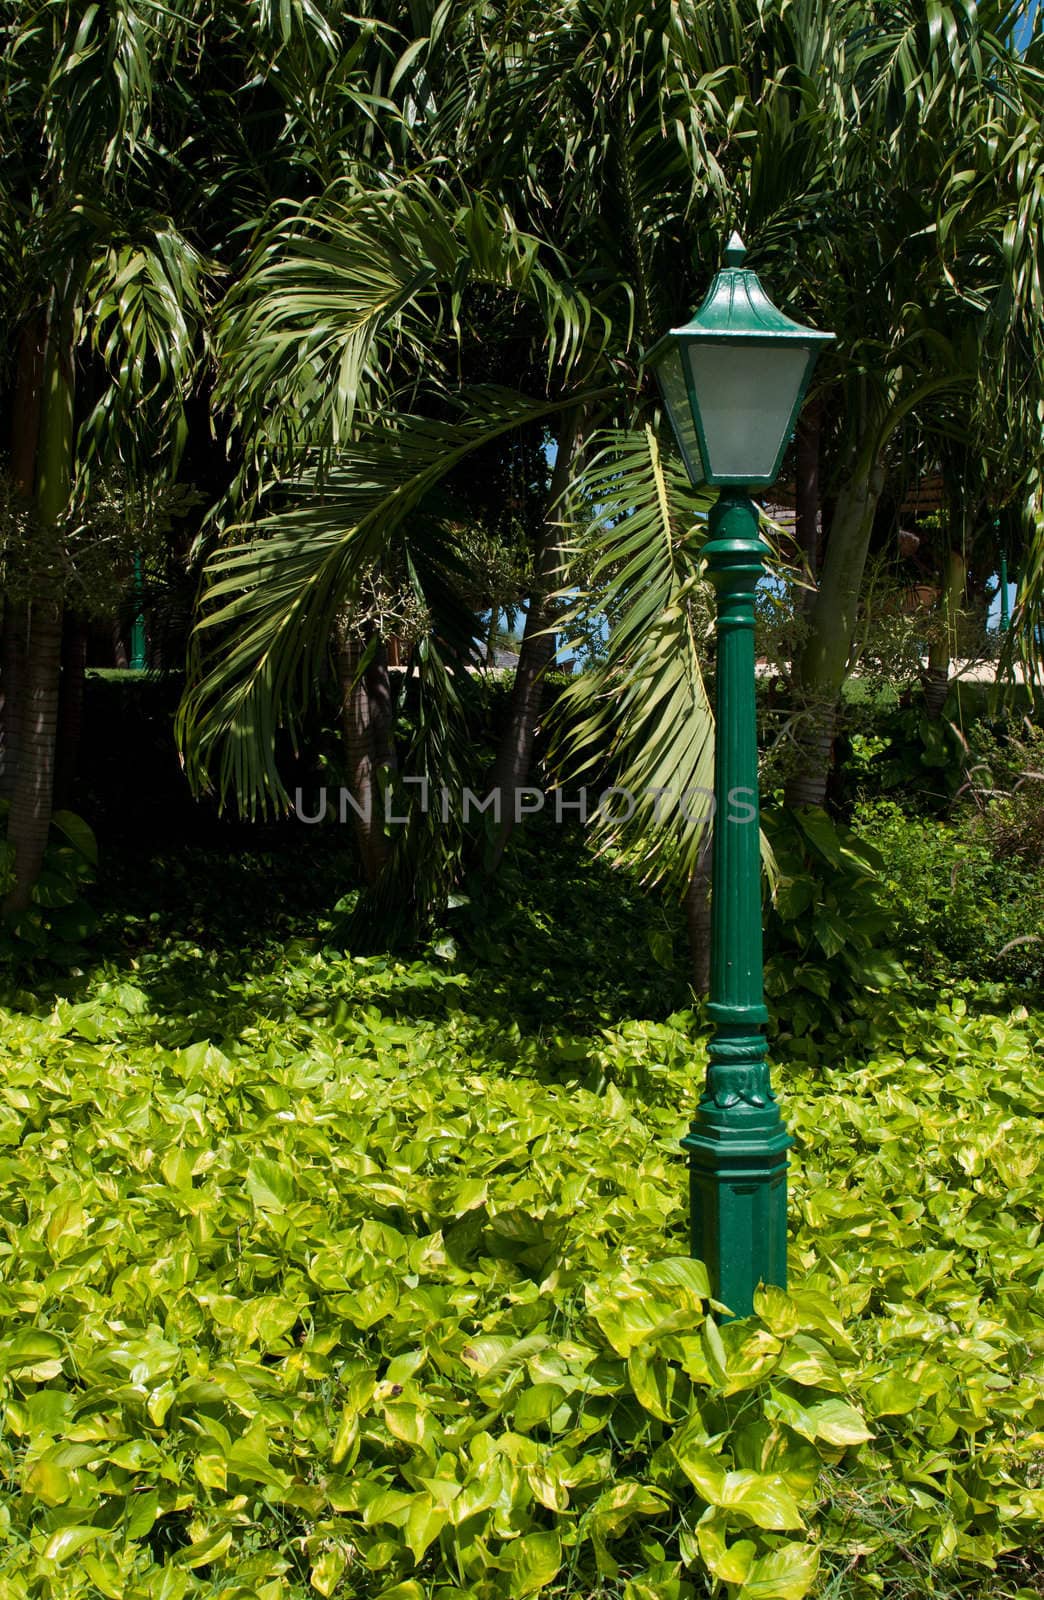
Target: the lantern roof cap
pixel 738 310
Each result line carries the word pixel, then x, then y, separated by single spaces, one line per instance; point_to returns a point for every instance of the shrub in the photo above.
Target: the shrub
pixel 960 900
pixel 301 1296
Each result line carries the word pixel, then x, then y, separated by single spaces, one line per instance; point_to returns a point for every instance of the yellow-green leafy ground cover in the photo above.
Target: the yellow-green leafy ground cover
pixel 313 1289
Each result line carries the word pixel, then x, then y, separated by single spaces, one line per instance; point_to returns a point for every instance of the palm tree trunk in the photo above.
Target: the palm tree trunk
pixel 28 399
pixel 25 436
pixel 937 675
pixel 32 797
pixel 12 679
pixel 358 740
pixel 824 661
pixel 515 755
pixel 807 493
pixel 33 792
pixel 382 710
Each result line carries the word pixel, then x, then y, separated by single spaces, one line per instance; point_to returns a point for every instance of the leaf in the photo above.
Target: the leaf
pixel 730 1563
pixel 807 1362
pixel 424 1524
pixel 653 1383
pixel 547 1487
pixel 820 832
pixel 765 1500
pixel 683 1274
pixel 202 1552
pixel 894 1395
pixel 644 707
pixel 662 1581
pixel 176 1169
pixel 705 1471
pixel 536 1405
pixel 327 1572
pixel 270 1186
pixel 532 1563
pixel 78 833
pixel 788 1573
pixel 67 1541
pixel 270 602
pixel 265 1320
pixel 29 1348
pixel 48 1482
pixel 346 1439
pixel 777 1310
pixel 838 1423
pixel 628 1319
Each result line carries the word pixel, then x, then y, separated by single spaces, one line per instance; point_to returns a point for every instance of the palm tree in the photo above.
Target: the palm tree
pixel 370 293
pixel 582 165
pixel 929 281
pixel 100 275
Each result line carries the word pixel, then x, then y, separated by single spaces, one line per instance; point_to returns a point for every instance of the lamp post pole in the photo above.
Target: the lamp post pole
pixel 737 1143
pixel 1005 612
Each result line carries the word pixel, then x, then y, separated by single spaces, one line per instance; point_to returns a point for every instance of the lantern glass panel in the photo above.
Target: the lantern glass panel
pixel 671 376
pixel 746 394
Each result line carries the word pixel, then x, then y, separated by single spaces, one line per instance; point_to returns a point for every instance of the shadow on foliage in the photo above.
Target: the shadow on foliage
pixel 221 941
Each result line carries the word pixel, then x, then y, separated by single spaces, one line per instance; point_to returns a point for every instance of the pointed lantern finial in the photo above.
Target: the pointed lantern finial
pixel 735 251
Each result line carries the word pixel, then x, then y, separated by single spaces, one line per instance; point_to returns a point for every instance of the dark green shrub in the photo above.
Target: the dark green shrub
pixel 959 904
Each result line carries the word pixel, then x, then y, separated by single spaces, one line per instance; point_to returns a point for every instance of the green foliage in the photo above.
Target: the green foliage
pixel 331 1274
pixel 959 905
pixel 959 884
pixel 90 552
pixel 586 950
pixel 827 941
pixel 893 749
pixel 58 919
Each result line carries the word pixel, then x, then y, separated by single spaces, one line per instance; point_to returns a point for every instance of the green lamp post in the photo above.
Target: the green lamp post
pixel 137 659
pixel 733 380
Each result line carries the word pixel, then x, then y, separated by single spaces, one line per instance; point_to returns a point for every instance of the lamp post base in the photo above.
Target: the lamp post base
pixel 738 1195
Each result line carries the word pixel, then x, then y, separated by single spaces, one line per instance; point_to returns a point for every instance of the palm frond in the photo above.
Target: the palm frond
pixel 145 312
pixel 641 719
pixel 268 602
pixel 349 299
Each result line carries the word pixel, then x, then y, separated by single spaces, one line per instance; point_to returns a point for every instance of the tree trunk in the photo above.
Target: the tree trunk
pixel 491 653
pixel 12 680
pixel 382 710
pixel 698 917
pixel 358 739
pixel 940 651
pixel 33 793
pixel 31 801
pixel 825 658
pixel 70 708
pixel 515 755
pixel 25 413
pixel 25 436
pixel 807 493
